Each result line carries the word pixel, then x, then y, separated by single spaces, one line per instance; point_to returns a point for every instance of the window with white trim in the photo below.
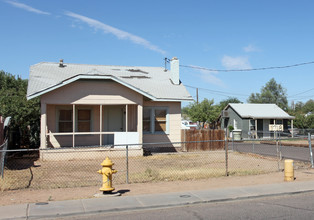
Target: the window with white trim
pixel 155 120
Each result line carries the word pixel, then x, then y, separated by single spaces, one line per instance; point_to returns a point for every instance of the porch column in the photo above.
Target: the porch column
pixel 100 125
pixel 43 126
pixel 73 127
pixel 126 118
pixel 256 129
pixel 292 128
pixel 140 123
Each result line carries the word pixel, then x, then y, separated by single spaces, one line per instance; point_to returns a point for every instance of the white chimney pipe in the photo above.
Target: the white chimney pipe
pixel 174 71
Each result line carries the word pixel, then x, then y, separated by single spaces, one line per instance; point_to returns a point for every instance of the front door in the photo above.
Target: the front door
pixel 114 121
pixel 266 128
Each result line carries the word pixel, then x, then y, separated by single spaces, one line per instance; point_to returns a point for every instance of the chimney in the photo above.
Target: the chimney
pixel 61 63
pixel 174 71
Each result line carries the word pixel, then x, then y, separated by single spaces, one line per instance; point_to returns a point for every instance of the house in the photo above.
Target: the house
pixel 97 105
pixel 255 120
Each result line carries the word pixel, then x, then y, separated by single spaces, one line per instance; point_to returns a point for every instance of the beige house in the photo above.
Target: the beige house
pixel 97 105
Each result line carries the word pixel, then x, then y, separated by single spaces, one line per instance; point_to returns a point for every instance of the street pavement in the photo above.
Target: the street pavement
pixel 55 209
pixel 291 152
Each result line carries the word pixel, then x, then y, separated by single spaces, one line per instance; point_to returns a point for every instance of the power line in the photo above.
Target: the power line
pixel 243 70
pixel 227 94
pixel 300 93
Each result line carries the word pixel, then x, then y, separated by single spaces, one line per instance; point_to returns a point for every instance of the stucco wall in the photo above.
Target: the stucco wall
pixel 93 92
pixel 174 111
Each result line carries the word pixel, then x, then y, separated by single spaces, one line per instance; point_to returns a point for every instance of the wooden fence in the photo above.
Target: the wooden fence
pixel 214 137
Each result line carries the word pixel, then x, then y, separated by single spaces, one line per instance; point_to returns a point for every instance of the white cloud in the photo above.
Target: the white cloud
pixel 27 7
pixel 250 48
pixel 118 33
pixel 236 62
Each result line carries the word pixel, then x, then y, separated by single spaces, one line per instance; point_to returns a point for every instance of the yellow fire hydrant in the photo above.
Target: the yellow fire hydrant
pixel 107 172
pixel 289 171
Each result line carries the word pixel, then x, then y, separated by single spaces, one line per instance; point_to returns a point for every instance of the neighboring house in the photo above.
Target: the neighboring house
pixel 254 120
pixel 97 105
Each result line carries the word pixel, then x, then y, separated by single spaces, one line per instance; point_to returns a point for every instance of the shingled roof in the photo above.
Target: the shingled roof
pixel 152 82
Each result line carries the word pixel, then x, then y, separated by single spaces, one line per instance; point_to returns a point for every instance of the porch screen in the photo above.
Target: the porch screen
pixel 65 121
pixel 83 120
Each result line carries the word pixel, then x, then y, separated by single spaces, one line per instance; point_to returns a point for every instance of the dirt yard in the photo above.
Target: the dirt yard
pixel 34 196
pixel 24 173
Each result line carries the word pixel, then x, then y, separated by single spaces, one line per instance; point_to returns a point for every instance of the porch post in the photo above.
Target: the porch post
pixel 100 125
pixel 73 127
pixel 126 118
pixel 256 129
pixel 292 128
pixel 140 123
pixel 43 126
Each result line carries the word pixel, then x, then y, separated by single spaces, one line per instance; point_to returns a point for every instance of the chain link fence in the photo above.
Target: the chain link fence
pixel 77 167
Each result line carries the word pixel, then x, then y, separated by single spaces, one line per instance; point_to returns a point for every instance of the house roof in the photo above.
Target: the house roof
pixel 152 82
pixel 260 111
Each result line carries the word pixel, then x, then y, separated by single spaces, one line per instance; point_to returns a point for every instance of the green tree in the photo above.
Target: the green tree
pixel 308 107
pixel 225 102
pixel 202 112
pixel 271 93
pixel 25 115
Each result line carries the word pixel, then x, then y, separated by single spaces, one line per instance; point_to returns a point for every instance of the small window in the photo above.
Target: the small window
pixel 65 121
pixel 155 120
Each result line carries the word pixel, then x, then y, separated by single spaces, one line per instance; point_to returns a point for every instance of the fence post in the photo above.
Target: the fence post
pixel 232 140
pixel 277 147
pixel 280 153
pixel 4 148
pixel 127 164
pixel 226 152
pixel 310 147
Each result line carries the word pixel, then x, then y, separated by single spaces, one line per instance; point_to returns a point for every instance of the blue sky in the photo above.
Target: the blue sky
pixel 219 34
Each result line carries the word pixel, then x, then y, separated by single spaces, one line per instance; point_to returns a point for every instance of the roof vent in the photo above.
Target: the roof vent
pixel 61 63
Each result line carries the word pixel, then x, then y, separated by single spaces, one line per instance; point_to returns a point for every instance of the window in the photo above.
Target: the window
pixel 146 120
pixel 65 121
pixel 155 120
pixel 83 120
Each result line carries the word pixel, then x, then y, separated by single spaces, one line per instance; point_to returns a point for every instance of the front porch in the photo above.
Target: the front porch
pixel 91 125
pixel 260 128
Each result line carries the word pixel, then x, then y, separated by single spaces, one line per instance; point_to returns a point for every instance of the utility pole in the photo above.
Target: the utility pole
pixel 197 95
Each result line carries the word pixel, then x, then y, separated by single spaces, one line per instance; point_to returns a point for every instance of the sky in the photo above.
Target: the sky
pixel 208 37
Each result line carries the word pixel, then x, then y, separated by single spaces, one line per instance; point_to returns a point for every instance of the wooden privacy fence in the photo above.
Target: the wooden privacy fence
pixel 214 137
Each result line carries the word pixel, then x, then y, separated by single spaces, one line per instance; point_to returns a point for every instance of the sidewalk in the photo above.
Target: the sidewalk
pixel 137 202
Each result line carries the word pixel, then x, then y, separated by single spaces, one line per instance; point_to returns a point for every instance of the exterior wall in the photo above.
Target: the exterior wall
pixel 174 114
pixel 92 92
pixel 233 116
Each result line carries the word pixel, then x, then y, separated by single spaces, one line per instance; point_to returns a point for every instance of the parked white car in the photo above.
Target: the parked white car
pixel 187 125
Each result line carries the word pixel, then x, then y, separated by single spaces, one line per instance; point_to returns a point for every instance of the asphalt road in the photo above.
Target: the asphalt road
pixel 298 206
pixel 288 152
